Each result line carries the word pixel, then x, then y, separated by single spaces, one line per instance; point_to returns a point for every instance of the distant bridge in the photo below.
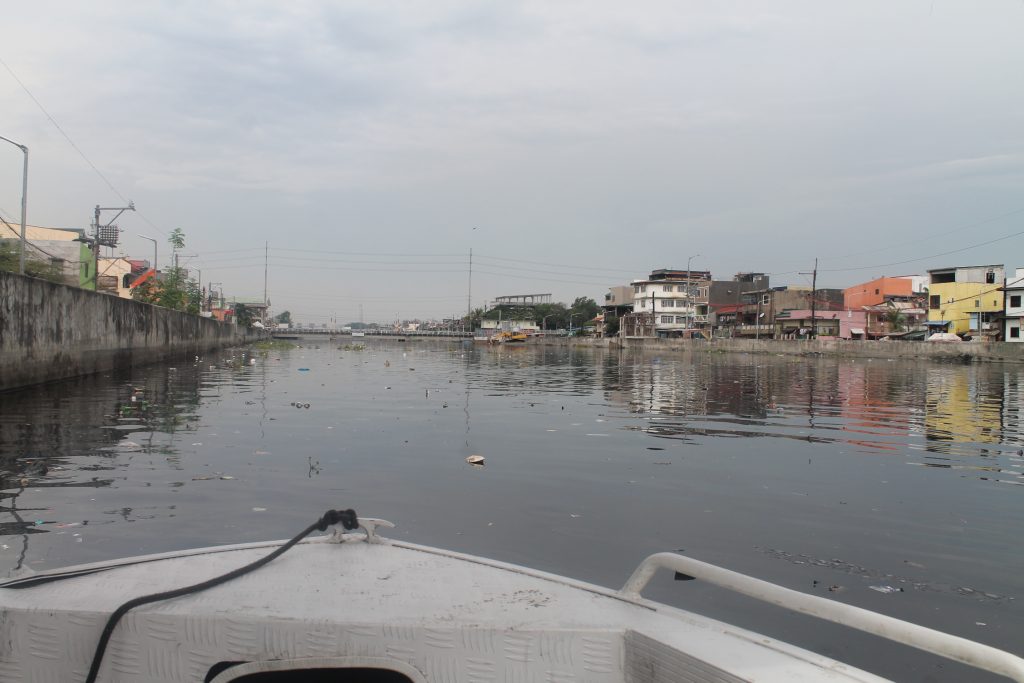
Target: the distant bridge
pixel 456 334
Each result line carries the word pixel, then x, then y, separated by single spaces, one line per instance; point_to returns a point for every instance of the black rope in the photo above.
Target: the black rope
pixel 347 518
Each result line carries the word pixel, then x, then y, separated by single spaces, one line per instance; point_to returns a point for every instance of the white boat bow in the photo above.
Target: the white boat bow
pixel 352 603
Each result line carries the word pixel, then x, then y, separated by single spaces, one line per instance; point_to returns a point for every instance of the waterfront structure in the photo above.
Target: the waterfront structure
pixel 798 324
pixel 755 317
pixel 619 300
pixel 677 300
pixel 725 299
pixel 1014 310
pixel 883 289
pixel 894 318
pixel 965 300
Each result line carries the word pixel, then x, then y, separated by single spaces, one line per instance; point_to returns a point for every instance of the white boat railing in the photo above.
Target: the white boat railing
pixel 942 644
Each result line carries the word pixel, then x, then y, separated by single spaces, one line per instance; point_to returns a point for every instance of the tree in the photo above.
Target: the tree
pixel 551 316
pixel 174 289
pixel 474 319
pixel 584 309
pixel 611 325
pixel 896 319
pixel 284 318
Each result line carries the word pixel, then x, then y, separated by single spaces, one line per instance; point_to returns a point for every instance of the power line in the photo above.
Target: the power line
pixel 941 234
pixel 925 258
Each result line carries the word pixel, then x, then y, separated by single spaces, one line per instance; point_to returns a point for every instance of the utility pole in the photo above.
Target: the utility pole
pixel 814 300
pixel 469 293
pixel 105 234
pixel 654 317
pixel 266 253
pixel 24 202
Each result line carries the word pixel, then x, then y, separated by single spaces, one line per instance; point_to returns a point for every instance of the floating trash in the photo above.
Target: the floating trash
pixel 303 369
pixel 259 509
pixel 886 589
pixel 477 460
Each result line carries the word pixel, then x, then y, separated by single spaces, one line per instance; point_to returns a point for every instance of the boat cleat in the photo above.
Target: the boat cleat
pixel 368 525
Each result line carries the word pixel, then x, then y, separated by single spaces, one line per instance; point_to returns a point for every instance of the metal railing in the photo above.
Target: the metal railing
pixel 942 644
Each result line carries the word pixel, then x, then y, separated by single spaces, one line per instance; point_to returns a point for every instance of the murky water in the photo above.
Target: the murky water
pixel 890 485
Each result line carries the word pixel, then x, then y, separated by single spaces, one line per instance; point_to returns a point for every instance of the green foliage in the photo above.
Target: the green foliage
pixel 896 319
pixel 583 310
pixel 551 316
pixel 474 319
pixel 177 239
pixel 243 315
pixel 611 324
pixel 173 290
pixel 34 267
pixel 273 345
pixel 284 318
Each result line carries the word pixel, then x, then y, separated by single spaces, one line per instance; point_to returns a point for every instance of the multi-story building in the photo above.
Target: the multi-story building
pixel 726 300
pixel 883 289
pixel 756 314
pixel 678 300
pixel 1014 312
pixel 619 300
pixel 967 300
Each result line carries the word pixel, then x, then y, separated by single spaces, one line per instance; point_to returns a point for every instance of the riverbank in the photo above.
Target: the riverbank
pixel 50 331
pixel 965 352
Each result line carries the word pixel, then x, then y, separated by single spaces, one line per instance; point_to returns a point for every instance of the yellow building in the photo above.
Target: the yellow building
pixel 965 300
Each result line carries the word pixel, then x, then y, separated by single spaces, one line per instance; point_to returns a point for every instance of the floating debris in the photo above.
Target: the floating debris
pixel 477 460
pixel 886 589
pixel 303 369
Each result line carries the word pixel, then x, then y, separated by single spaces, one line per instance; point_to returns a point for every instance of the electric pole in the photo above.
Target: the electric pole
pixel 469 293
pixel 105 235
pixel 814 300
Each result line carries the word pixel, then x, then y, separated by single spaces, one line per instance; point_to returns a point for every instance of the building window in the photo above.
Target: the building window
pixel 990 277
pixel 643 288
pixel 669 303
pixel 680 318
pixel 1015 333
pixel 764 299
pixel 666 319
pixel 934 301
pixel 1015 301
pixel 636 289
pixel 667 288
pixel 643 303
pixel 977 303
pixel 876 290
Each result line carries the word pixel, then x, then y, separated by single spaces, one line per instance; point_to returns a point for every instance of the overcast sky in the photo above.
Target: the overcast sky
pixel 571 145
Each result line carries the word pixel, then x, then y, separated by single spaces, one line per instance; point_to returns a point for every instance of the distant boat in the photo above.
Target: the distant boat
pixel 358 334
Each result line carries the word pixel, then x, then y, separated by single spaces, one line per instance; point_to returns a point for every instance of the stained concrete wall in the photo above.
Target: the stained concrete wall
pixel 50 331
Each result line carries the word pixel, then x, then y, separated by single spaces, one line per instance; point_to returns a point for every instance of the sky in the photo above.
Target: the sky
pixel 366 147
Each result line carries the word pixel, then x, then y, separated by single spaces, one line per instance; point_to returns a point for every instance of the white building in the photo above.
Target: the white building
pixel 1014 305
pixel 678 299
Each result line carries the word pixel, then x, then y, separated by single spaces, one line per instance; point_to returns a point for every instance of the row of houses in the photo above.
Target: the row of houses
pixel 969 301
pixel 70 254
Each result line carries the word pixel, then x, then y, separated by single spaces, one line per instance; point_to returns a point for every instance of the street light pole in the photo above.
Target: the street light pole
pixel 154 251
pixel 24 202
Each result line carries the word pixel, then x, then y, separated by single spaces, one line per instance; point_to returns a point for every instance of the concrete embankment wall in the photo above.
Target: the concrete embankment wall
pixel 965 352
pixel 50 331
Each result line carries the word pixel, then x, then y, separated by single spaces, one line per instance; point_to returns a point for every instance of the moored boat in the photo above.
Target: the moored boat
pixel 354 604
